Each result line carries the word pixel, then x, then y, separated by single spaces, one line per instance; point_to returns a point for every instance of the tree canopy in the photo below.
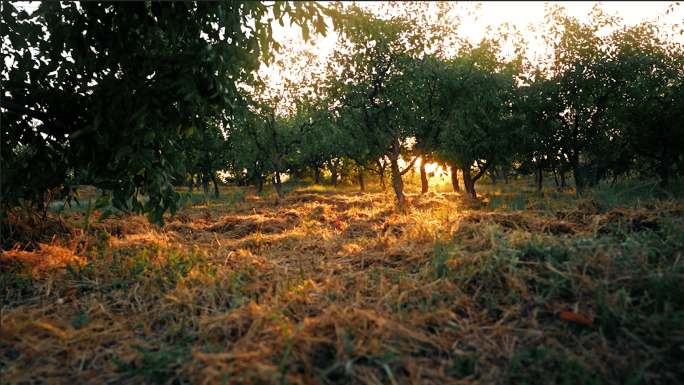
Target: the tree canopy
pixel 126 94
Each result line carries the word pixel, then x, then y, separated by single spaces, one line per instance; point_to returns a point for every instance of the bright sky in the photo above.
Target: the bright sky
pixel 522 14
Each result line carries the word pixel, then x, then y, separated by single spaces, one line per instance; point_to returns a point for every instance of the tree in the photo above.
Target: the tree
pixel 433 92
pixel 206 153
pixel 364 77
pixel 647 95
pixel 483 131
pixel 114 85
pixel 580 94
pixel 286 108
pixel 536 105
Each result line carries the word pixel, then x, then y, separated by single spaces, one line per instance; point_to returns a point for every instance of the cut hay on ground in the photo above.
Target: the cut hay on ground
pixel 346 289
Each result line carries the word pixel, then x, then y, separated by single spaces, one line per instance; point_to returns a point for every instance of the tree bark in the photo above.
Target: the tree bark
pixel 381 167
pixel 333 174
pixel 555 176
pixel 561 171
pixel 397 182
pixel 423 177
pixel 205 183
pixel 363 188
pixel 216 189
pixel 279 186
pixel 469 183
pixel 492 174
pixel 276 178
pixel 454 179
pixel 540 167
pixel 192 182
pixel 317 175
pixel 577 174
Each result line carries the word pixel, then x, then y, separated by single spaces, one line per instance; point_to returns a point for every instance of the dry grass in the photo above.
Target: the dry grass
pixel 343 288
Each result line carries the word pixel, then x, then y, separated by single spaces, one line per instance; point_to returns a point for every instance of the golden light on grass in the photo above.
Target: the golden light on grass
pixel 286 293
pixel 41 262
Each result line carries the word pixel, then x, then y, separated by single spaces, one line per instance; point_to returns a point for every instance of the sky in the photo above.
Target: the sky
pixel 521 14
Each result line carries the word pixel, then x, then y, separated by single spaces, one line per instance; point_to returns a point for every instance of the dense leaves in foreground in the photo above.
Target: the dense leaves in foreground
pixel 340 288
pixel 104 92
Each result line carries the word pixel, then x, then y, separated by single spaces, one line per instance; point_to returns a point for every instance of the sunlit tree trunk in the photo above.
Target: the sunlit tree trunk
pixel 397 182
pixel 279 186
pixel 333 173
pixel 276 178
pixel 423 177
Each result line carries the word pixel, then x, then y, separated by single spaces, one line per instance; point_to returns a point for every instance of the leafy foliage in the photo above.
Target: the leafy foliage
pixel 113 87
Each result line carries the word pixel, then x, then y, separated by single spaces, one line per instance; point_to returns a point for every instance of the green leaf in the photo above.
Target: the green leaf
pixel 152 216
pixel 102 201
pixel 305 30
pixel 106 214
pixel 149 136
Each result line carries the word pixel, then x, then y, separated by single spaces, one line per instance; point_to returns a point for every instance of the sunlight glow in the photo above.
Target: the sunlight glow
pixel 521 14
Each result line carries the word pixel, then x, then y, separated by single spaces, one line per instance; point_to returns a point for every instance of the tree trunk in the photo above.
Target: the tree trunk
pixel 205 183
pixel 333 174
pixel 561 171
pixel 469 183
pixel 397 182
pixel 276 178
pixel 577 174
pixel 192 182
pixel 216 189
pixel 199 181
pixel 505 176
pixel 423 177
pixel 363 188
pixel 317 175
pixel 492 174
pixel 540 166
pixel 382 166
pixel 555 175
pixel 279 186
pixel 454 179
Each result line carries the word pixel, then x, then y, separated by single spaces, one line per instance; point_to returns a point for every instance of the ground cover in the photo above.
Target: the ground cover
pixel 343 287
